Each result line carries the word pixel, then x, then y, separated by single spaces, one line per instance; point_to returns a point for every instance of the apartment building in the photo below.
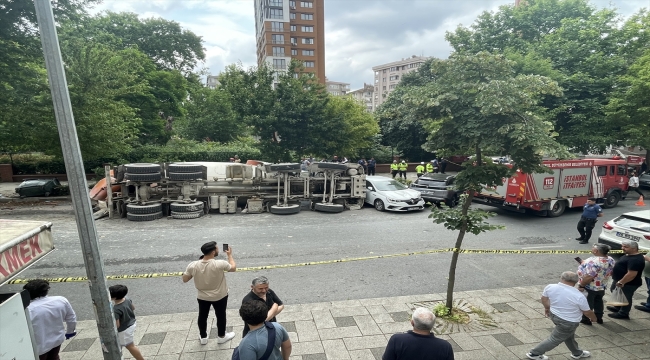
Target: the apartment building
pixel 337 88
pixel 387 76
pixel 365 95
pixel 291 29
pixel 212 81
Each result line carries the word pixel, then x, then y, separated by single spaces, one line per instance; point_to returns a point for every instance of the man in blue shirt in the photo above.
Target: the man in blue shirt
pixel 590 214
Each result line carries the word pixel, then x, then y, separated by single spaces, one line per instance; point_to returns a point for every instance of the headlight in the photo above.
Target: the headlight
pixel 391 200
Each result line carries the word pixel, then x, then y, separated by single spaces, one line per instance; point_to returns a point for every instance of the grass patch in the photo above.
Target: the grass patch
pixel 454 315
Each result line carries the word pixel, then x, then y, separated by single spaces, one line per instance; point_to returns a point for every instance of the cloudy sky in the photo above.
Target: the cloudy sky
pixel 359 34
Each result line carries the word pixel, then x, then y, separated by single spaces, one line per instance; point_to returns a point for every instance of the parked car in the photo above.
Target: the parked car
pixel 644 180
pixel 437 188
pixel 388 194
pixel 633 226
pixel 38 187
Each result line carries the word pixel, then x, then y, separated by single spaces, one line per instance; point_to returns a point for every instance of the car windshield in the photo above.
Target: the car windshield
pixel 391 185
pixel 633 223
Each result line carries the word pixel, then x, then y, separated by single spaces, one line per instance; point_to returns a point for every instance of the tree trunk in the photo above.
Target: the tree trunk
pixel 454 257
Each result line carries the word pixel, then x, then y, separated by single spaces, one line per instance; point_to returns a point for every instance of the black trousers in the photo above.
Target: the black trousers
pixel 395 172
pixel 630 189
pixel 371 170
pixel 595 301
pixel 585 226
pixel 51 355
pixel 402 174
pixel 628 291
pixel 219 310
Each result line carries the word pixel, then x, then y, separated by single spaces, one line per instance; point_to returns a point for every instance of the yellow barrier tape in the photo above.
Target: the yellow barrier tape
pixel 323 262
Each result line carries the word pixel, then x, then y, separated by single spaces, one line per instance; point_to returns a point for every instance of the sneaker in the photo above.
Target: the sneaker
pixel 537 357
pixel 204 341
pixel 599 320
pixel 580 238
pixel 585 354
pixel 226 338
pixel 612 309
pixel 642 308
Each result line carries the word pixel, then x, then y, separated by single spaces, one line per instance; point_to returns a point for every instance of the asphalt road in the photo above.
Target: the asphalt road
pixel 266 239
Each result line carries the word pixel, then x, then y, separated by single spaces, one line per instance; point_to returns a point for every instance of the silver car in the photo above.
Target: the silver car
pixel 388 194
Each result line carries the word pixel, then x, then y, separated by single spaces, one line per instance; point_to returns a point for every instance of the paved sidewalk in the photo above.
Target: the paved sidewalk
pixel 360 329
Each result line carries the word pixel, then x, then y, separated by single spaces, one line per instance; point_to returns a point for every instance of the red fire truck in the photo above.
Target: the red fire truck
pixel 570 184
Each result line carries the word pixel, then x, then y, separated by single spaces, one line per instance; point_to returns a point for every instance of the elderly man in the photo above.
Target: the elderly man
pixel 419 343
pixel 594 273
pixel 260 292
pixel 627 276
pixel 565 305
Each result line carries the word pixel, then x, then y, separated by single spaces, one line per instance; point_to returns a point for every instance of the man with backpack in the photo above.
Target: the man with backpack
pixel 265 340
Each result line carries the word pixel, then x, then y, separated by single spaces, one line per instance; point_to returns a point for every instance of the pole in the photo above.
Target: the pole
pixel 109 191
pixel 77 181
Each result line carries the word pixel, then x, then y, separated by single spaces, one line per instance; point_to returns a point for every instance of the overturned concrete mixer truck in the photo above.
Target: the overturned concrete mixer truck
pixel 189 190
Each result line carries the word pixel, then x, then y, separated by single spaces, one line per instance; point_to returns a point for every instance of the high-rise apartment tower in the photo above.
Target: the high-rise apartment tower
pixel 291 29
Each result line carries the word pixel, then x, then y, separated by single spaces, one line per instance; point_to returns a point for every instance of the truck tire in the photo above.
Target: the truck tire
pixel 144 217
pixel 329 208
pixel 332 166
pixel 284 210
pixel 153 177
pixel 143 209
pixel 141 168
pixel 612 200
pixel 285 167
pixel 184 176
pixel 186 208
pixel 184 168
pixel 557 209
pixel 187 215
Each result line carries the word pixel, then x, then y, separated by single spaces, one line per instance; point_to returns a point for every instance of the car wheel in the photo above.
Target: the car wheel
pixel 612 200
pixel 46 194
pixel 143 209
pixel 557 209
pixel 379 205
pixel 284 210
pixel 151 177
pixel 330 208
pixel 141 168
pixel 185 207
pixel 144 217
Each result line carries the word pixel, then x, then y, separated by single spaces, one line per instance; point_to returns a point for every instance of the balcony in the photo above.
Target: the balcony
pixel 279 67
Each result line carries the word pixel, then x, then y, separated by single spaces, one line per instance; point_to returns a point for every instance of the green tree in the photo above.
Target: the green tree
pixel 357 128
pixel 629 108
pixel 569 41
pixel 210 117
pixel 476 103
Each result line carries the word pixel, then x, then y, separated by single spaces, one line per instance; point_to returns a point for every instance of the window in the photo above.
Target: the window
pixel 392 86
pixel 278 51
pixel 307 40
pixel 294 41
pixel 612 170
pixel 275 3
pixel 294 28
pixel 308 53
pixel 307 4
pixel 376 81
pixel 294 52
pixel 309 64
pixel 384 71
pixel 376 73
pixel 276 13
pixel 622 170
pixel 277 39
pixel 393 69
pixel 292 16
pixel 384 88
pixel 292 4
pixel 279 64
pixel 394 77
pixel 602 171
pixel 277 26
pixel 383 79
pixel 307 29
pixel 307 16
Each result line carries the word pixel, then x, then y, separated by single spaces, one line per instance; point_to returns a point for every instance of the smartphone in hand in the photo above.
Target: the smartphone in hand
pixel 225 247
pixel 578 259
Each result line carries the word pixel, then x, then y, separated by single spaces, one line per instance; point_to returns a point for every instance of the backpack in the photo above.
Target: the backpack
pixel 269 346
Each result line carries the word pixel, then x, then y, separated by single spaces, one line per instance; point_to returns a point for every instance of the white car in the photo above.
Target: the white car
pixel 388 194
pixel 633 226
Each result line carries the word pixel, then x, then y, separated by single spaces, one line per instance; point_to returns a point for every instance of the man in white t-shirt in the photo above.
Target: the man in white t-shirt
pixel 633 184
pixel 210 282
pixel 564 305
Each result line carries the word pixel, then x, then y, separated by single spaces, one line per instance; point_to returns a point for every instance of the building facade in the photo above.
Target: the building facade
pixel 365 95
pixel 337 88
pixel 291 29
pixel 212 81
pixel 387 76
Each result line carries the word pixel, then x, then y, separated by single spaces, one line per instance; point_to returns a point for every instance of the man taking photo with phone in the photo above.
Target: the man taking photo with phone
pixel 210 282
